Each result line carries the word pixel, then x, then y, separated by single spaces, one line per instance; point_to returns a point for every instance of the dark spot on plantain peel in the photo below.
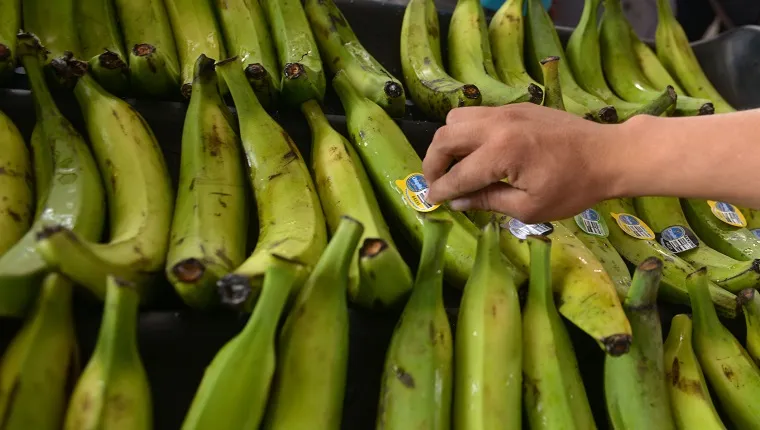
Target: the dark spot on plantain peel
pixel 143 49
pixel 617 344
pixel 123 283
pixel 551 59
pixel 372 247
pixel 728 372
pixel 294 70
pixel 234 290
pixel 16 217
pixel 189 270
pixel 404 377
pixel 255 72
pixel 393 89
pixel 745 296
pixel 226 61
pixel 51 230
pixel 690 386
pixel 5 52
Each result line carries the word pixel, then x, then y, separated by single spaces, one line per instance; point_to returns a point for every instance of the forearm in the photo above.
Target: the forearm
pixel 713 157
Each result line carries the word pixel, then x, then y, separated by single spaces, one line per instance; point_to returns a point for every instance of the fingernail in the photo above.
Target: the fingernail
pixel 460 204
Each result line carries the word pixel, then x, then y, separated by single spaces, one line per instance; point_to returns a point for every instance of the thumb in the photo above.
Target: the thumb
pixel 499 197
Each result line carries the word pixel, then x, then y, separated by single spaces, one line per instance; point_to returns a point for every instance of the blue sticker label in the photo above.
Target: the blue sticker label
pixel 592 223
pixel 678 239
pixel 756 232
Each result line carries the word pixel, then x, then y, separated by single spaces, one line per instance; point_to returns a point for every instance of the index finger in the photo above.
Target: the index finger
pixel 469 113
pixel 450 142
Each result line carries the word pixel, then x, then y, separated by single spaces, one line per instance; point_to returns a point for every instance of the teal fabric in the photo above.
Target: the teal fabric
pixel 496 4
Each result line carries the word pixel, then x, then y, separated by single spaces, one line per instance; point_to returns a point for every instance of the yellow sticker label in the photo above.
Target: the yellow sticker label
pixel 727 213
pixel 414 188
pixel 633 226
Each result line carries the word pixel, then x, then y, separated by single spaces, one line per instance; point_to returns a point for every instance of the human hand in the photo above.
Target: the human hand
pixel 557 164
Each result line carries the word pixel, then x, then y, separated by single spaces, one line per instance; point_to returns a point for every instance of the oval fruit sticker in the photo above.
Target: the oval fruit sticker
pixel 633 226
pixel 414 188
pixel 727 213
pixel 592 223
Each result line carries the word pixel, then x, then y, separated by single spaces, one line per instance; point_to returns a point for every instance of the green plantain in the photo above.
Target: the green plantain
pixel 379 277
pixel 69 189
pixel 113 391
pixel 310 381
pixel 139 193
pixel 726 234
pixel 417 376
pixel 16 185
pixel 101 44
pixel 291 220
pixel 488 343
pixel 301 68
pixel 750 301
pixel 10 22
pixel 433 91
pixel 338 43
pixel 208 233
pixel 689 397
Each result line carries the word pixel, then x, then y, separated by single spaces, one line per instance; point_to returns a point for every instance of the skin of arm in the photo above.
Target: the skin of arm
pixel 540 164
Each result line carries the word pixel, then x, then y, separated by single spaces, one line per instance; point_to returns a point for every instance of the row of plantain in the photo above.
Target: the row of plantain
pixel 201 247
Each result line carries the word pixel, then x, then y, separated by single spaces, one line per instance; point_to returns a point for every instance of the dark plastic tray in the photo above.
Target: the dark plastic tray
pixel 176 343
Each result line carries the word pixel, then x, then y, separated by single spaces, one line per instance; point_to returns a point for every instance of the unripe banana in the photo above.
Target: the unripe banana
pixel 750 301
pixel 642 245
pixel 16 183
pixel 246 36
pixel 580 282
pixel 622 71
pixel 209 229
pixel 753 220
pixel 153 62
pixel 506 34
pixel 379 276
pixel 634 384
pixel 54 23
pixel 689 397
pixel 235 387
pixel 666 218
pixel 196 32
pixel 73 195
pixel 338 43
pixel 41 361
pixel 388 156
pixel 301 68
pixel 139 193
pixel 554 394
pixel 101 44
pixel 586 63
pixel 676 55
pixel 10 22
pixel 416 385
pixel 310 381
pixel 543 42
pixel 290 216
pixel 488 344
pixel 732 374
pixel 433 91
pixel 470 58
pixel 732 239
pixel 113 391
pixel 599 245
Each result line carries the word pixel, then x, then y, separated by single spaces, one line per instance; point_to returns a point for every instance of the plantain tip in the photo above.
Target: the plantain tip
pixel 471 91
pixel 372 247
pixel 608 115
pixel 5 52
pixel 186 91
pixel 111 60
pixel 672 93
pixel 651 264
pixel 226 61
pixel 294 70
pixel 189 270
pixel 706 109
pixel 536 94
pixel 123 283
pixel 551 59
pixel 617 344
pixel 393 89
pixel 234 290
pixel 256 72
